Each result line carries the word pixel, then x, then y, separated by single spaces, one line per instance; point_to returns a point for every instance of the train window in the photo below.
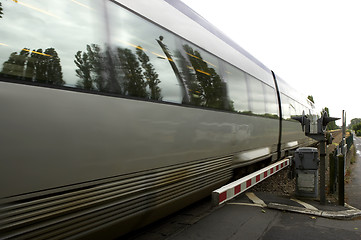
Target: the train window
pixel 144 57
pixel 204 83
pixel 237 88
pixel 271 103
pixel 292 107
pixel 257 97
pixel 286 114
pixel 43 42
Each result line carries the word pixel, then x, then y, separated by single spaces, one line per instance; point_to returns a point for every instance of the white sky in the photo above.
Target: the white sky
pixel 314 45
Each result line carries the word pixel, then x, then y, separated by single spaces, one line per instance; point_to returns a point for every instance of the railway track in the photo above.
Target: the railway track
pixel 179 221
pixel 173 224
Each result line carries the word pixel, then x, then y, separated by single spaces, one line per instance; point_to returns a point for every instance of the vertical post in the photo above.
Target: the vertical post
pixel 332 176
pixel 343 132
pixel 341 180
pixel 322 171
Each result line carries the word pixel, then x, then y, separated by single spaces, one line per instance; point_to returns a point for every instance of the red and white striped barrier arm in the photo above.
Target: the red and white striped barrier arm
pixel 235 188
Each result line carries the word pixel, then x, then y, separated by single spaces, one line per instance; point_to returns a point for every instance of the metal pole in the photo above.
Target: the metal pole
pixel 322 171
pixel 333 174
pixel 341 180
pixel 343 132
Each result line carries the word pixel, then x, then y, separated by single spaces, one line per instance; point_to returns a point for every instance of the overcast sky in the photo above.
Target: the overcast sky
pixel 314 45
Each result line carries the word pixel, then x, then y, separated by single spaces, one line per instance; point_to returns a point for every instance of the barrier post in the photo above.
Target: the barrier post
pixel 332 177
pixel 323 171
pixel 341 180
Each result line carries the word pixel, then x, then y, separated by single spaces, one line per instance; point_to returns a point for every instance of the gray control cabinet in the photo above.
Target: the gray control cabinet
pixel 307 158
pixel 306 167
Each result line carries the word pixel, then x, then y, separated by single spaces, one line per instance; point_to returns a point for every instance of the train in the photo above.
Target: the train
pixel 116 113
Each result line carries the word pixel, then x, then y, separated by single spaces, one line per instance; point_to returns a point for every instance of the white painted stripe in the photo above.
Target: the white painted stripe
pixel 306 205
pixel 255 199
pixel 350 207
pixel 246 204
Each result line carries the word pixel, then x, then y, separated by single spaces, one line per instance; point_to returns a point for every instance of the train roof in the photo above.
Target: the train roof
pixel 177 17
pixel 185 9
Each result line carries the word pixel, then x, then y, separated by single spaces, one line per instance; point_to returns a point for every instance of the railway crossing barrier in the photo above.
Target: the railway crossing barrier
pixel 239 186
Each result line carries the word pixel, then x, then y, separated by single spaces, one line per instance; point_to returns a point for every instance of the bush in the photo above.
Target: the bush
pixel 356 128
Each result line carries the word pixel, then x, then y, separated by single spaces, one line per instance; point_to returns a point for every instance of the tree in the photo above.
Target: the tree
pixel 357 128
pixel 332 125
pixel 207 87
pixel 150 74
pixel 310 97
pixel 54 73
pixel 39 66
pixel 1 10
pixel 83 71
pixel 16 64
pixel 133 80
pixel 90 67
pixel 354 121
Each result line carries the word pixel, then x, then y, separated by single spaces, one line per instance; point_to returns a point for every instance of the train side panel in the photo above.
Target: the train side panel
pixel 73 155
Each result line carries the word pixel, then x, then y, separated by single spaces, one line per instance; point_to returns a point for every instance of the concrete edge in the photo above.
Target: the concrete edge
pixel 347 214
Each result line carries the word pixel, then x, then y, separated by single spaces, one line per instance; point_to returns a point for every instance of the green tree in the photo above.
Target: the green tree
pixel 207 87
pixel 16 64
pixel 90 65
pixel 150 75
pixel 357 128
pixel 45 67
pixel 84 71
pixel 54 74
pixel 133 80
pixel 332 125
pixel 39 66
pixel 354 121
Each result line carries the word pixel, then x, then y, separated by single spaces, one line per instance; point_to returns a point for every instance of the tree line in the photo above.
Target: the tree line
pixel 355 125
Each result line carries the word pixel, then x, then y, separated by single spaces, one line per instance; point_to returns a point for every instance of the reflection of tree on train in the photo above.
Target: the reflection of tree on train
pixel 89 70
pixel 16 64
pixel 206 87
pixel 201 86
pixel 1 11
pixel 35 66
pixel 123 70
pixel 131 73
pixel 95 70
pixel 150 75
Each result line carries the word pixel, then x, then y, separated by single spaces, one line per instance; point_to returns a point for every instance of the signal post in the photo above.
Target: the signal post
pixel 316 129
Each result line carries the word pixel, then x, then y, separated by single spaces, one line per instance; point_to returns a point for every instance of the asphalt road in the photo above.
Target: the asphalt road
pixel 241 222
pixel 236 220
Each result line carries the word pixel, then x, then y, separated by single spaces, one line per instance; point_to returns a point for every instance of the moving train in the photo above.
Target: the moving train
pixel 115 113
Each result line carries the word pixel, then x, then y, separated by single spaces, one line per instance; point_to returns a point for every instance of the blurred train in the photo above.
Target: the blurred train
pixel 115 113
